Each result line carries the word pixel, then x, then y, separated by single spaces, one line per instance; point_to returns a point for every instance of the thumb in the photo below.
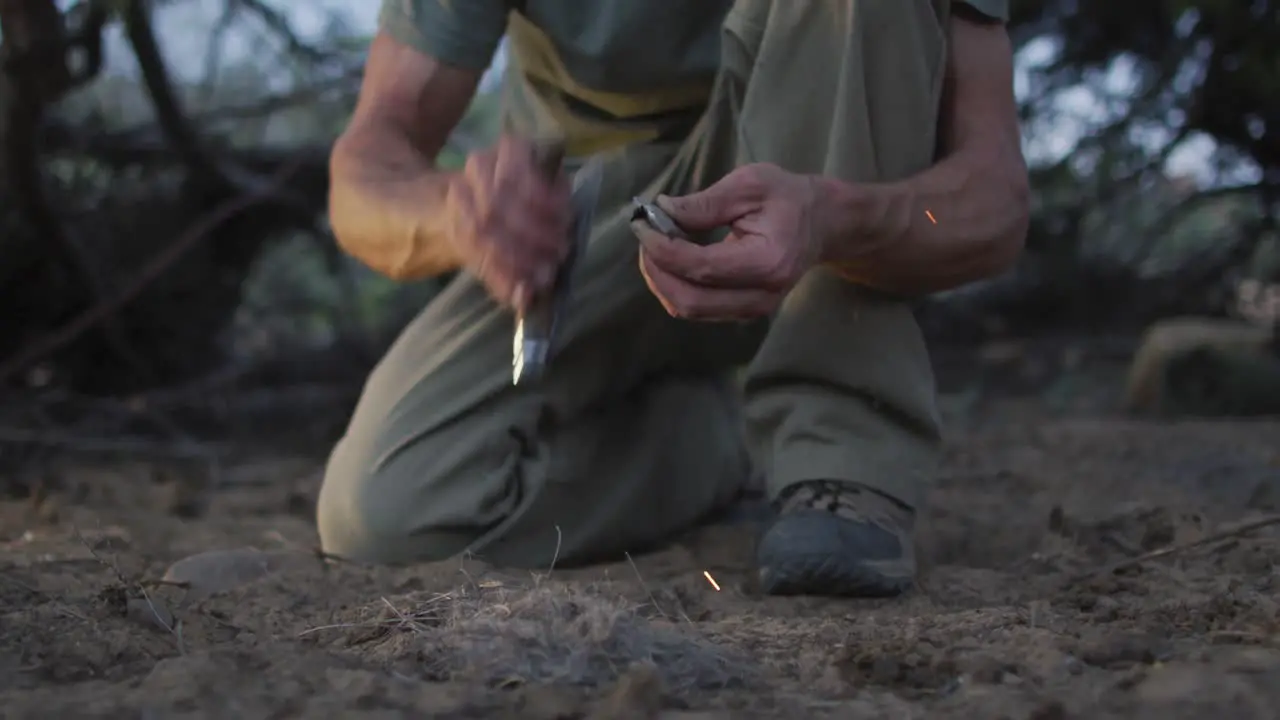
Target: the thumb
pixel 706 209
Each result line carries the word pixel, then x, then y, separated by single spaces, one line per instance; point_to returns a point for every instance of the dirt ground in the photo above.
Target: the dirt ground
pixel 1036 601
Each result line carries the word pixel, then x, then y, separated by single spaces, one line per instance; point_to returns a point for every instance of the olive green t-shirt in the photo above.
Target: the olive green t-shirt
pixel 606 72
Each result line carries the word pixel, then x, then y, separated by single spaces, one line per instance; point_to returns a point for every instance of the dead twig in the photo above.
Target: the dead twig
pixel 428 611
pixel 653 599
pixel 1171 550
pixel 172 625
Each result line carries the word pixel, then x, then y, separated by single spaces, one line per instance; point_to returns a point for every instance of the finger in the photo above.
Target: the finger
pixel 543 229
pixel 693 302
pixel 479 167
pixel 506 270
pixel 531 259
pixel 507 286
pixel 533 224
pixel 661 284
pixel 743 263
pixel 514 258
pixel 528 199
pixel 516 170
pixel 521 296
pixel 523 168
pixel 730 198
pixel 528 247
pixel 546 205
pixel 502 288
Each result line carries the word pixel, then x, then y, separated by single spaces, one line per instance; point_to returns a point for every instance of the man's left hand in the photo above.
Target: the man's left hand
pixel 773 241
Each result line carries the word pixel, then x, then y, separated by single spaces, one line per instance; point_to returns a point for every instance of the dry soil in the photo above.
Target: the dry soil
pixel 1037 601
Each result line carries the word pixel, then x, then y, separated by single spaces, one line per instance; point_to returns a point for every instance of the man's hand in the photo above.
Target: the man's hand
pixel 510 223
pixel 773 242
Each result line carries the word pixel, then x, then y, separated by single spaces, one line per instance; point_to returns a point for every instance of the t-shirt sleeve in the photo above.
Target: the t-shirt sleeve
pixel 461 33
pixel 994 9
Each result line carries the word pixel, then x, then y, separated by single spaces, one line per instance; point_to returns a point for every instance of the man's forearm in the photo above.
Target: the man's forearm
pixel 380 207
pixel 961 220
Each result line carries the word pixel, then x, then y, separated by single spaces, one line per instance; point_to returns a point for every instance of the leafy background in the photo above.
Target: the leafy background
pixel 1153 130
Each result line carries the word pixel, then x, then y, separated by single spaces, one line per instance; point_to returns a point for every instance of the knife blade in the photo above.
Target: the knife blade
pixel 534 342
pixel 657 218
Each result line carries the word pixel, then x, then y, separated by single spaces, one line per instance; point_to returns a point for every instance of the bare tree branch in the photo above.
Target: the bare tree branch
pixel 146 275
pixel 169 114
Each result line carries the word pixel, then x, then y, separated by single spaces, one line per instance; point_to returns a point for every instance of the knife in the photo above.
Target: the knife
pixel 535 334
pixel 657 218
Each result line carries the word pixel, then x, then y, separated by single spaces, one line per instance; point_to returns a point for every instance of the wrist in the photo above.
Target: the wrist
pixel 853 220
pixel 397 221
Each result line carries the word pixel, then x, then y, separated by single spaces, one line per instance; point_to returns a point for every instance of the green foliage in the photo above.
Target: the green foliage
pixel 299 293
pixel 1194 73
pixel 1189 71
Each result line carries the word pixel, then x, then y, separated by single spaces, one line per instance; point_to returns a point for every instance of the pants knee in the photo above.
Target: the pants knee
pixel 365 514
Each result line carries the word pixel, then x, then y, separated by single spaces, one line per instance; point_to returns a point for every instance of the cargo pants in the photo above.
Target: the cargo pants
pixel 638 431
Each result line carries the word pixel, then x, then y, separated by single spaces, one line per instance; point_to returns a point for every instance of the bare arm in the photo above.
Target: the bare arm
pixel 384 181
pixel 978 193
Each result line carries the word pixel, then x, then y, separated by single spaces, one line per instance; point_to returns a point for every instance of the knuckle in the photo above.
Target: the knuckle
pixel 698 205
pixel 754 177
pixel 489 224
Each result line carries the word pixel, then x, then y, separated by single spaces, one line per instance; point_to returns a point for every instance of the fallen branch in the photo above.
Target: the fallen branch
pixel 1171 550
pixel 148 274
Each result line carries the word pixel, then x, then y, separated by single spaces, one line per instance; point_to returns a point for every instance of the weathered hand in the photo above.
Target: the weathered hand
pixel 510 223
pixel 772 243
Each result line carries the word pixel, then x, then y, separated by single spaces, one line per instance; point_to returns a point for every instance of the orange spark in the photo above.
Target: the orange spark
pixel 932 219
pixel 711 580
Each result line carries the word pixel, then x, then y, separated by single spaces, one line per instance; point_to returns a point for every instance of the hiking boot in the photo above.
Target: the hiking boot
pixel 837 539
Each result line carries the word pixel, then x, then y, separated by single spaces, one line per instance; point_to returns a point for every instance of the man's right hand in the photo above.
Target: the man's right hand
pixel 509 221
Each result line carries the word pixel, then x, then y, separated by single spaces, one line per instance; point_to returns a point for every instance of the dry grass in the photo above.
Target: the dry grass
pixel 548 633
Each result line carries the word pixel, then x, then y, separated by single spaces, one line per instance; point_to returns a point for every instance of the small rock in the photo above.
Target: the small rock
pixel 987 670
pixel 549 701
pixel 49 511
pixel 638 694
pixel 1117 651
pixel 1254 661
pixel 218 571
pixel 1052 710
pixel 885 670
pixel 1173 684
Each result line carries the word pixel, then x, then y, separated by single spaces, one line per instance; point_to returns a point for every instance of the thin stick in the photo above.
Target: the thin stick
pixel 653 600
pixel 1170 550
pixel 174 629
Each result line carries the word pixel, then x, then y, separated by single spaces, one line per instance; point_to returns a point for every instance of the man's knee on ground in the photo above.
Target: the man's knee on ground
pixel 371 512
